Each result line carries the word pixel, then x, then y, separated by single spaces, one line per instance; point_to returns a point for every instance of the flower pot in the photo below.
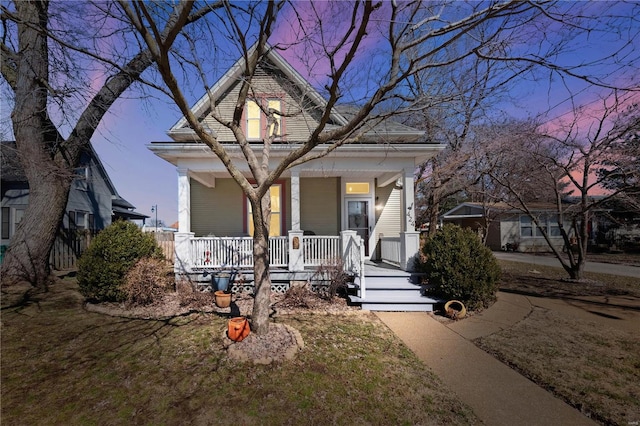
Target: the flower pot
pixel 221 280
pixel 222 299
pixel 238 329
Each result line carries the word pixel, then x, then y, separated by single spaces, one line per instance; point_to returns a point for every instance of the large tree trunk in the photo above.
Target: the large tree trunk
pixel 47 158
pixel 262 278
pixel 28 254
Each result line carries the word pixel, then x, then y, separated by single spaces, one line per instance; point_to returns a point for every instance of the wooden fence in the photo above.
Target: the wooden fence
pixel 68 247
pixel 166 242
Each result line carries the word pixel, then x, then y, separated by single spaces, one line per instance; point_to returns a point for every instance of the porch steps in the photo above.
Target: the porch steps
pixel 396 293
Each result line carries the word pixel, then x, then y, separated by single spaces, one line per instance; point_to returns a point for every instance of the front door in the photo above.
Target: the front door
pixel 358 220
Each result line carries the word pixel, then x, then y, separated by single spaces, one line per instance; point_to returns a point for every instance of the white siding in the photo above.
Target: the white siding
pixel 296 127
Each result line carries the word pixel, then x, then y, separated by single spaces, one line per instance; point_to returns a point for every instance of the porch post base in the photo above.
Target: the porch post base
pixel 409 249
pixel 296 252
pixel 182 263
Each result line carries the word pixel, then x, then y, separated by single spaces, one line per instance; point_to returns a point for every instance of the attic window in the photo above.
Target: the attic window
pixel 256 119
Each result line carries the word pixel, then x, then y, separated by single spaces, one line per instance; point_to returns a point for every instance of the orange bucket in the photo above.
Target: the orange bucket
pixel 238 329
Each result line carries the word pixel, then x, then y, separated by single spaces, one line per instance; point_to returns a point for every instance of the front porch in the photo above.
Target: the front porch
pixel 376 285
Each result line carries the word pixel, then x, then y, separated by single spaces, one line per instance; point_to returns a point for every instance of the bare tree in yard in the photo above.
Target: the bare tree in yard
pixel 49 52
pixel 475 97
pixel 409 38
pixel 567 158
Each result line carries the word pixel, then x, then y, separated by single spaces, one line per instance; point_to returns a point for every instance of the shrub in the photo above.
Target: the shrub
pixel 190 295
pixel 460 267
pixel 112 253
pixel 147 281
pixel 331 270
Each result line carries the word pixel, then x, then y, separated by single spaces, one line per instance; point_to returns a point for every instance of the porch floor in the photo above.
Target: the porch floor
pixel 388 288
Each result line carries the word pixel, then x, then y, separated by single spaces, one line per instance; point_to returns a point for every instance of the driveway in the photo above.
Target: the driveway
pixel 604 268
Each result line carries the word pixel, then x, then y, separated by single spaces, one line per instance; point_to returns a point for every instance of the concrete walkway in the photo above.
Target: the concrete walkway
pixel 496 393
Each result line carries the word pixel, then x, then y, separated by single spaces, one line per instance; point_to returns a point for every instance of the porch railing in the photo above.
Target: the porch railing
pixel 235 252
pixel 318 249
pixel 390 249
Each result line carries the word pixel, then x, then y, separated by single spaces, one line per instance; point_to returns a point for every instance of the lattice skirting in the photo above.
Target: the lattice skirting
pixel 275 287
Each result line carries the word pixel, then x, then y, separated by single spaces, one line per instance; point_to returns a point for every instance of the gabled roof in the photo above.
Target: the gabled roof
pixel 476 210
pixel 12 171
pixel 339 114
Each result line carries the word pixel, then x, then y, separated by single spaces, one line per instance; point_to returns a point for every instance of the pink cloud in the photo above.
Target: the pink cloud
pixel 581 125
pixel 303 38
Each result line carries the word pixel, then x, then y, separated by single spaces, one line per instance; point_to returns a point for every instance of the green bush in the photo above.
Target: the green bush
pixel 102 268
pixel 460 267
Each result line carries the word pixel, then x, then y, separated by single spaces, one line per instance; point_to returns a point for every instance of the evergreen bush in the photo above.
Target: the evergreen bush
pixel 460 267
pixel 102 268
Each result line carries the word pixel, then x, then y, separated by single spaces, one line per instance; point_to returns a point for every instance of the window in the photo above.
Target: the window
pixel 17 217
pixel 80 220
pixel 548 222
pixel 357 187
pixel 81 176
pixel 274 105
pixel 6 220
pixel 253 120
pixel 72 219
pixel 11 218
pixel 275 227
pixel 256 119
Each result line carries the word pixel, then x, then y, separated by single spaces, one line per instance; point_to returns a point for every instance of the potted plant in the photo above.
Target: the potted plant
pixel 221 280
pixel 222 299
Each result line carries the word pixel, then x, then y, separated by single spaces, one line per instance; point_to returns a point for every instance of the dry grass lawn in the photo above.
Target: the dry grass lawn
pixel 593 365
pixel 63 365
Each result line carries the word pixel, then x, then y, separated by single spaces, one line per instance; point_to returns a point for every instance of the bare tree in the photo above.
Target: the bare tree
pixel 475 97
pixel 48 54
pixel 560 163
pixel 410 38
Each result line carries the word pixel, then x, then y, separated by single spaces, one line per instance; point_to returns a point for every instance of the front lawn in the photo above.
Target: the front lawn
pixel 64 365
pixel 593 366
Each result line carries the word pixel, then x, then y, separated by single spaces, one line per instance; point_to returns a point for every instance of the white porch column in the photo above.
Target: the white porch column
pixel 296 252
pixel 408 200
pixel 295 199
pixel 184 200
pixel 182 239
pixel 409 238
pixel 182 263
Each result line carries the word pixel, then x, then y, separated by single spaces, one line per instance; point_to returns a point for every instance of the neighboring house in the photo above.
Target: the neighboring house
pixel 360 195
pixel 93 200
pixel 509 228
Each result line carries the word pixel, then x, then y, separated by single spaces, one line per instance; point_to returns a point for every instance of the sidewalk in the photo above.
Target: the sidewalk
pixel 496 393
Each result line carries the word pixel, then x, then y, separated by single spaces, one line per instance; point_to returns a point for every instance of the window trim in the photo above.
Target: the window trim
pixel 548 221
pixel 263 102
pixel 6 223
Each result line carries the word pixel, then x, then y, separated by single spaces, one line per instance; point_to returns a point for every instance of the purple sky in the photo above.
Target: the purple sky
pixel 146 180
